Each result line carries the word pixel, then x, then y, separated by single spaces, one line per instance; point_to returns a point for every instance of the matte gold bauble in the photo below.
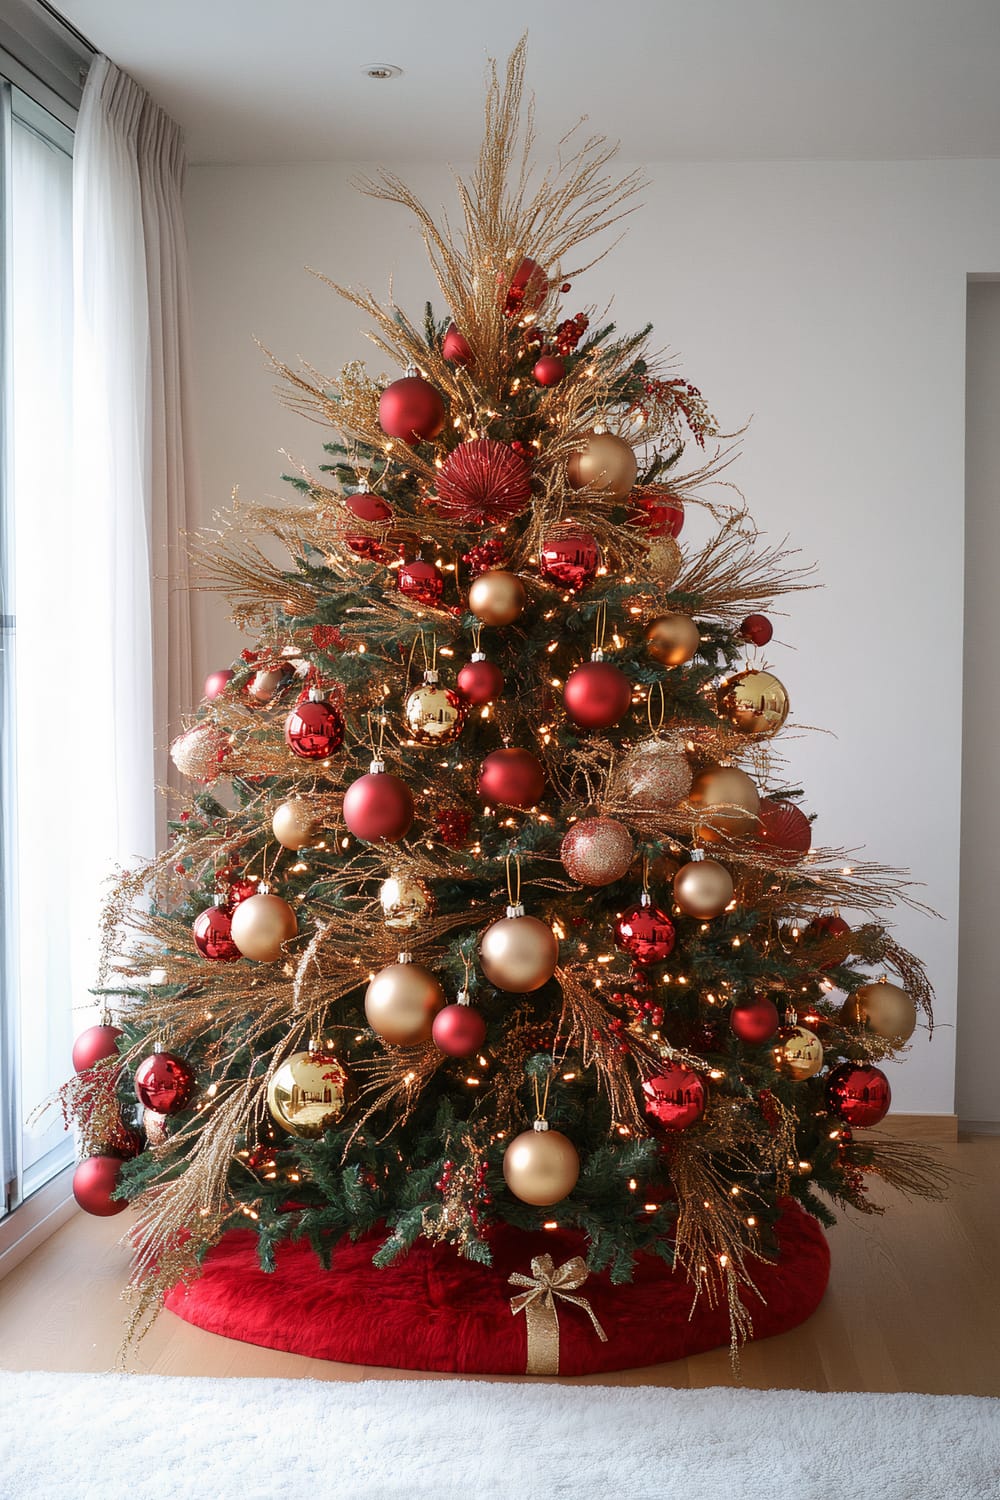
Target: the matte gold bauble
pixel 672 639
pixel 663 561
pixel 883 1008
pixel 605 465
pixel 434 715
pixel 541 1167
pixel 308 1093
pixel 295 824
pixel 703 889
pixel 798 1053
pixel 267 682
pixel 518 954
pixel 401 1003
pixel 261 925
pixel 497 597
pixel 753 703
pixel 655 775
pixel 405 902
pixel 728 797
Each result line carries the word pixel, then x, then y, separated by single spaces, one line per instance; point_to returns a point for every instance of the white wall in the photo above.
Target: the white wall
pixel 825 299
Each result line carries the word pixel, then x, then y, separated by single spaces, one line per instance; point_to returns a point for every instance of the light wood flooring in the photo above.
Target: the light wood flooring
pixel 913 1305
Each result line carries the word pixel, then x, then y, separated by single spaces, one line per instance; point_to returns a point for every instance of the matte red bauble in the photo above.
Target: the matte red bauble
pixel 420 581
pixel 455 347
pixel 785 831
pixel 597 695
pixel 411 409
pixel 217 682
pixel 480 681
pixel 757 629
pixel 657 512
pixel 675 1098
pixel 164 1082
pixel 239 890
pixel 512 778
pixel 482 483
pixel 858 1094
pixel 459 1030
pixel 645 933
pixel 212 931
pixel 569 559
pixel 755 1021
pixel 377 807
pixel 374 510
pixel 314 729
pixel 549 370
pixel 94 1181
pixel 527 288
pixel 94 1045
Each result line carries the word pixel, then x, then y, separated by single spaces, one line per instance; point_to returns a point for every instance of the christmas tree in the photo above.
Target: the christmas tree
pixel 510 914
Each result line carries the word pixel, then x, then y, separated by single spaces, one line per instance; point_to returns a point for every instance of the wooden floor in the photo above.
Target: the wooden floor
pixel 912 1306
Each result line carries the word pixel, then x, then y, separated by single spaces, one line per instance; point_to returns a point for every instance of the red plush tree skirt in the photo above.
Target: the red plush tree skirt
pixel 434 1311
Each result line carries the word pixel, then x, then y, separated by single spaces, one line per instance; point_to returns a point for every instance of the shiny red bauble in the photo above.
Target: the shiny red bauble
pixel 237 891
pixel 94 1181
pixel 374 510
pixel 785 831
pixel 420 581
pixel 94 1045
pixel 480 681
pixel 455 347
pixel 217 682
pixel 512 778
pixel 377 807
pixel 482 483
pixel 757 629
pixel 569 559
pixel 212 931
pixel 459 1030
pixel 675 1098
pixel 597 695
pixel 858 1094
pixel 527 288
pixel 831 926
pixel 657 512
pixel 755 1021
pixel 411 409
pixel 314 729
pixel 164 1082
pixel 645 933
pixel 549 370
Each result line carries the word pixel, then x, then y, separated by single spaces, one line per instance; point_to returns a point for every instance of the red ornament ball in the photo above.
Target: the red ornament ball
pixel 411 409
pixel 455 347
pixel 420 581
pixel 512 778
pixel 645 933
pixel 755 1021
pixel 657 512
pixel 239 890
pixel 480 681
pixel 94 1045
pixel 94 1181
pixel 549 370
pixel 858 1094
pixel 675 1098
pixel 757 629
pixel 459 1030
pixel 569 559
pixel 376 511
pixel 482 483
pixel 314 729
pixel 785 831
pixel 597 695
pixel 378 807
pixel 212 931
pixel 527 288
pixel 164 1082
pixel 216 683
pixel 831 926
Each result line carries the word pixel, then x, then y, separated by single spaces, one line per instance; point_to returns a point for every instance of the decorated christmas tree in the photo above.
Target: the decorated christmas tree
pixel 493 904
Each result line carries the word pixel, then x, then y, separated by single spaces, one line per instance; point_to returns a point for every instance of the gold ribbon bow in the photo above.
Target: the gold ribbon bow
pixel 538 1303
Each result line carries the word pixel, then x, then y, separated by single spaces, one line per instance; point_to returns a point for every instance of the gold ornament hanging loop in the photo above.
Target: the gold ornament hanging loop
pixel 661 700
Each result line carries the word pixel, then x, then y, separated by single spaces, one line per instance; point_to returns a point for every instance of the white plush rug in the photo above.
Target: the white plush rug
pixel 130 1437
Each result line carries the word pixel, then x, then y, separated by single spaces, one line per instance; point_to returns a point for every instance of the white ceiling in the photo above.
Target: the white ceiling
pixel 280 80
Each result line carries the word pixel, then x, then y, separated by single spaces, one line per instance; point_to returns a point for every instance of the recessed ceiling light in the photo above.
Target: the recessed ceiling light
pixel 382 71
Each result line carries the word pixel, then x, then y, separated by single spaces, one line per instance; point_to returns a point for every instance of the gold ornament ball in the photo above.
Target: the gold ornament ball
pixel 156 1126
pixel 883 1008
pixel 597 851
pixel 729 798
pixel 308 1093
pixel 405 901
pixel 672 639
pixel 799 1053
pixel 434 715
pixel 518 954
pixel 541 1167
pixel 266 683
pixel 199 752
pixel 294 823
pixel 753 703
pixel 663 561
pixel 497 597
pixel 401 1003
pixel 605 465
pixel 261 925
pixel 655 775
pixel 703 889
